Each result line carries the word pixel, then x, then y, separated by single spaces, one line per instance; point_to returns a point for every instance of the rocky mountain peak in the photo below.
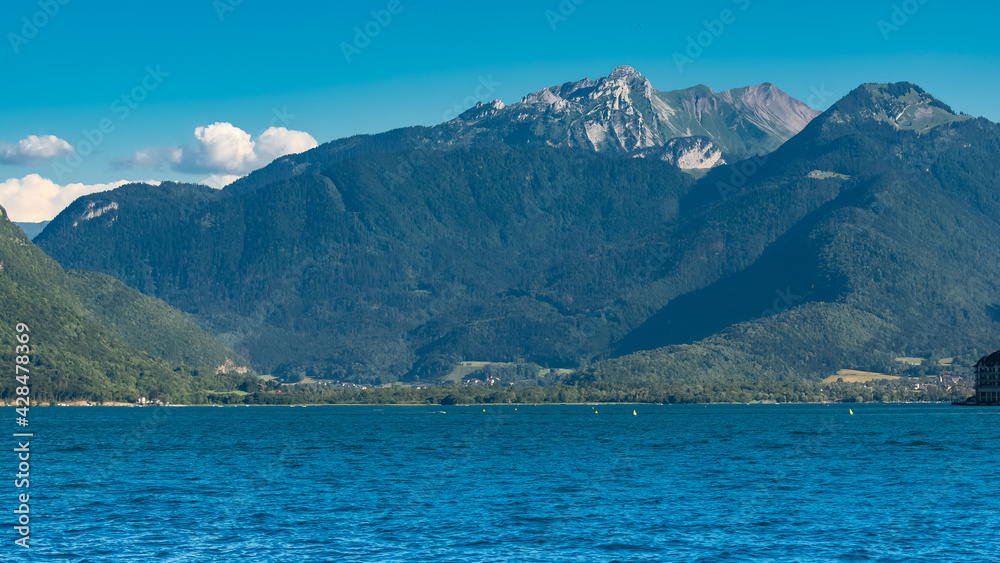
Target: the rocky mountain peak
pixel 901 105
pixel 482 111
pixel 624 72
pixel 623 114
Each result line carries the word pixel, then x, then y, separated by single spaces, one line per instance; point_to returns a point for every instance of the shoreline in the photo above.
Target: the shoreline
pixel 477 405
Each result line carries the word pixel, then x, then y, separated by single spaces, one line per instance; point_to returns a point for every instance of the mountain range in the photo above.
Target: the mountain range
pixel 623 114
pixel 620 115
pixel 563 230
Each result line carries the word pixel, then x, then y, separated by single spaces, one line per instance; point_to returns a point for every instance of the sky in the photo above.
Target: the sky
pixel 105 92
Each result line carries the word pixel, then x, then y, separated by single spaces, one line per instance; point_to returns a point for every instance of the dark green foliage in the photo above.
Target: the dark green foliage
pixel 380 261
pixel 859 240
pixel 329 154
pixel 73 355
pixel 149 324
pixel 897 262
pixel 739 391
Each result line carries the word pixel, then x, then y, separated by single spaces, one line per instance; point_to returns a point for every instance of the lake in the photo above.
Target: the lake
pixel 539 483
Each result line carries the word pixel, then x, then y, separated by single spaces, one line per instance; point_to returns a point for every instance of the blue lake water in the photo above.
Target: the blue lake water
pixel 542 483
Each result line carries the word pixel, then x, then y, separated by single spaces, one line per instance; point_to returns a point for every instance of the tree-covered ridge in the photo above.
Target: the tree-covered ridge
pixel 73 354
pixel 896 264
pixel 351 273
pixel 150 325
pixel 860 240
pixel 744 390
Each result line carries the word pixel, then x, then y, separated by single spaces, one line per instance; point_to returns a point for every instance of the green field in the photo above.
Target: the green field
pixel 856 376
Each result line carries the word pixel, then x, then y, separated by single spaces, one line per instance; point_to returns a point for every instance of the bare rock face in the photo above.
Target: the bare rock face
pixel 687 153
pixel 619 114
pixel 622 113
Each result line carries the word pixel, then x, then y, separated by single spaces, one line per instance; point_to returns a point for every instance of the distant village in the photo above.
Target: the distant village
pixel 943 381
pixel 468 382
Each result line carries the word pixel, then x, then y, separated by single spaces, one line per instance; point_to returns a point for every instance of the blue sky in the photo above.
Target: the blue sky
pixel 255 65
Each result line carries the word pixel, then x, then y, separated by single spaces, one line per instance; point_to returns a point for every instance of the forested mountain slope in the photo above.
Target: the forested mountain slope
pixel 864 237
pixel 93 338
pixel 897 263
pixel 353 274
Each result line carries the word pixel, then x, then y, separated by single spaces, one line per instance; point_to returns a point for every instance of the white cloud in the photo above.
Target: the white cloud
pixel 33 198
pixel 278 141
pixel 34 149
pixel 222 147
pixel 223 150
pixel 219 181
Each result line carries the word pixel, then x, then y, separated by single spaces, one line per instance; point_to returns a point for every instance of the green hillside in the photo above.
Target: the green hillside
pixel 73 355
pixel 148 324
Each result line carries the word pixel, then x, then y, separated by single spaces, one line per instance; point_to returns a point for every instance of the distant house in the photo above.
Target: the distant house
pixel 988 380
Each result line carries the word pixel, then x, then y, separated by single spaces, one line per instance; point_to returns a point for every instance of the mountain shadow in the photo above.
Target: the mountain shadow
pixel 788 274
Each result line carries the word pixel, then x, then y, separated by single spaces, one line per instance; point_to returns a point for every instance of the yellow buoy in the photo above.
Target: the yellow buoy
pixel 851 411
pixel 634 413
pixel 484 410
